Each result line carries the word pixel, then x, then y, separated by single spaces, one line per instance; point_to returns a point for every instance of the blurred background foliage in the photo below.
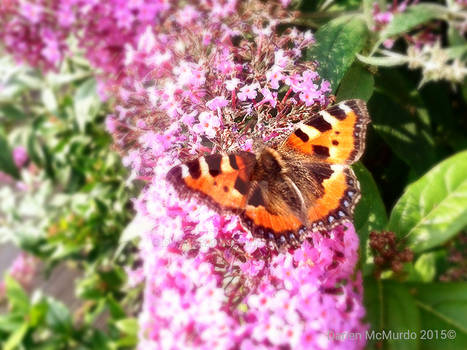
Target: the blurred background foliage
pixel 71 201
pixel 68 204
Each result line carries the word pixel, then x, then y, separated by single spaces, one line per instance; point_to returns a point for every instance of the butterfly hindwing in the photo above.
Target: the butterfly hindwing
pixel 222 180
pixel 337 202
pixel 273 209
pixel 335 135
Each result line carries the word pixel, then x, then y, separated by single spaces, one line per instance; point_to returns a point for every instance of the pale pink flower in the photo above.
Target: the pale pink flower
pixel 248 92
pixel 232 84
pixel 217 102
pixel 274 76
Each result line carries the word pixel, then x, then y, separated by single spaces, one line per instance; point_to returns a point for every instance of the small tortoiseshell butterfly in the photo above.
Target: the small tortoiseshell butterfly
pixel 304 183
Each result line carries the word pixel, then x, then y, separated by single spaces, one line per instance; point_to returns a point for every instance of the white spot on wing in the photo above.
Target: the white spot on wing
pixel 310 131
pixel 203 166
pixel 344 107
pixel 185 172
pixel 329 118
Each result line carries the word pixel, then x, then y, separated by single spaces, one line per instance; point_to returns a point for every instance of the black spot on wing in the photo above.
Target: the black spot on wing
pixel 320 172
pixel 194 168
pixel 352 104
pixel 337 112
pixel 318 122
pixel 233 161
pixel 214 164
pixel 321 151
pixel 256 198
pixel 241 186
pixel 303 136
pixel 335 142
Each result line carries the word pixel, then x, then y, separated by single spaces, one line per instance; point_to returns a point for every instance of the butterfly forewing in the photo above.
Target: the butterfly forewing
pixel 335 135
pixel 222 180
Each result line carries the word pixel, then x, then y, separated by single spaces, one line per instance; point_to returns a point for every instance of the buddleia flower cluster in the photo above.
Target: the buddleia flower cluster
pixel 218 77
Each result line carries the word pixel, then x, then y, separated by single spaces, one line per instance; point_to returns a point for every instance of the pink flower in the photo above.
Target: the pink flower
pixel 23 269
pixel 20 156
pixel 248 92
pixel 31 12
pixel 208 124
pixel 269 97
pixel 232 84
pixel 274 76
pixel 309 95
pixel 217 102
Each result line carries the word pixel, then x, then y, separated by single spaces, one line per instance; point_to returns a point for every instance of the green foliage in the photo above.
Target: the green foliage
pixel 73 210
pixel 434 208
pixel 337 42
pixel 414 168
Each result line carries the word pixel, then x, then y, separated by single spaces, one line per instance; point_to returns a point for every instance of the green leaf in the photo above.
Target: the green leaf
pixel 370 213
pixel 413 16
pixel 16 338
pixel 12 112
pixel 7 164
pixel 337 42
pixel 17 297
pixel 433 209
pixel 86 102
pixel 128 326
pixel 11 321
pixel 390 307
pixel 58 317
pixel 443 306
pixel 425 267
pixel 357 83
pixel 404 130
pixel 49 100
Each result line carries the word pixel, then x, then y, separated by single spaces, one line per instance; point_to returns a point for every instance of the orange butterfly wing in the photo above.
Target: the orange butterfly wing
pixel 222 180
pixel 335 135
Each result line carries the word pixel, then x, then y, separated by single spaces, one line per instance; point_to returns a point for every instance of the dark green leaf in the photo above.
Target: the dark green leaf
pixel 390 307
pixel 337 42
pixel 443 306
pixel 357 83
pixel 58 317
pixel 12 113
pixel 403 130
pixel 7 164
pixel 434 208
pixel 370 213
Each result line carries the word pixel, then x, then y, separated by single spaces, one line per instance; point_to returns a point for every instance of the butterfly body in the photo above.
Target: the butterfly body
pixel 280 192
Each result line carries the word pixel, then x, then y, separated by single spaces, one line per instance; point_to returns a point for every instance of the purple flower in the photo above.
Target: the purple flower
pixel 20 156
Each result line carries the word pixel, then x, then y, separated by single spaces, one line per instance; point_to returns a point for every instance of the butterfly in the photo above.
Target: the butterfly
pixel 304 183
